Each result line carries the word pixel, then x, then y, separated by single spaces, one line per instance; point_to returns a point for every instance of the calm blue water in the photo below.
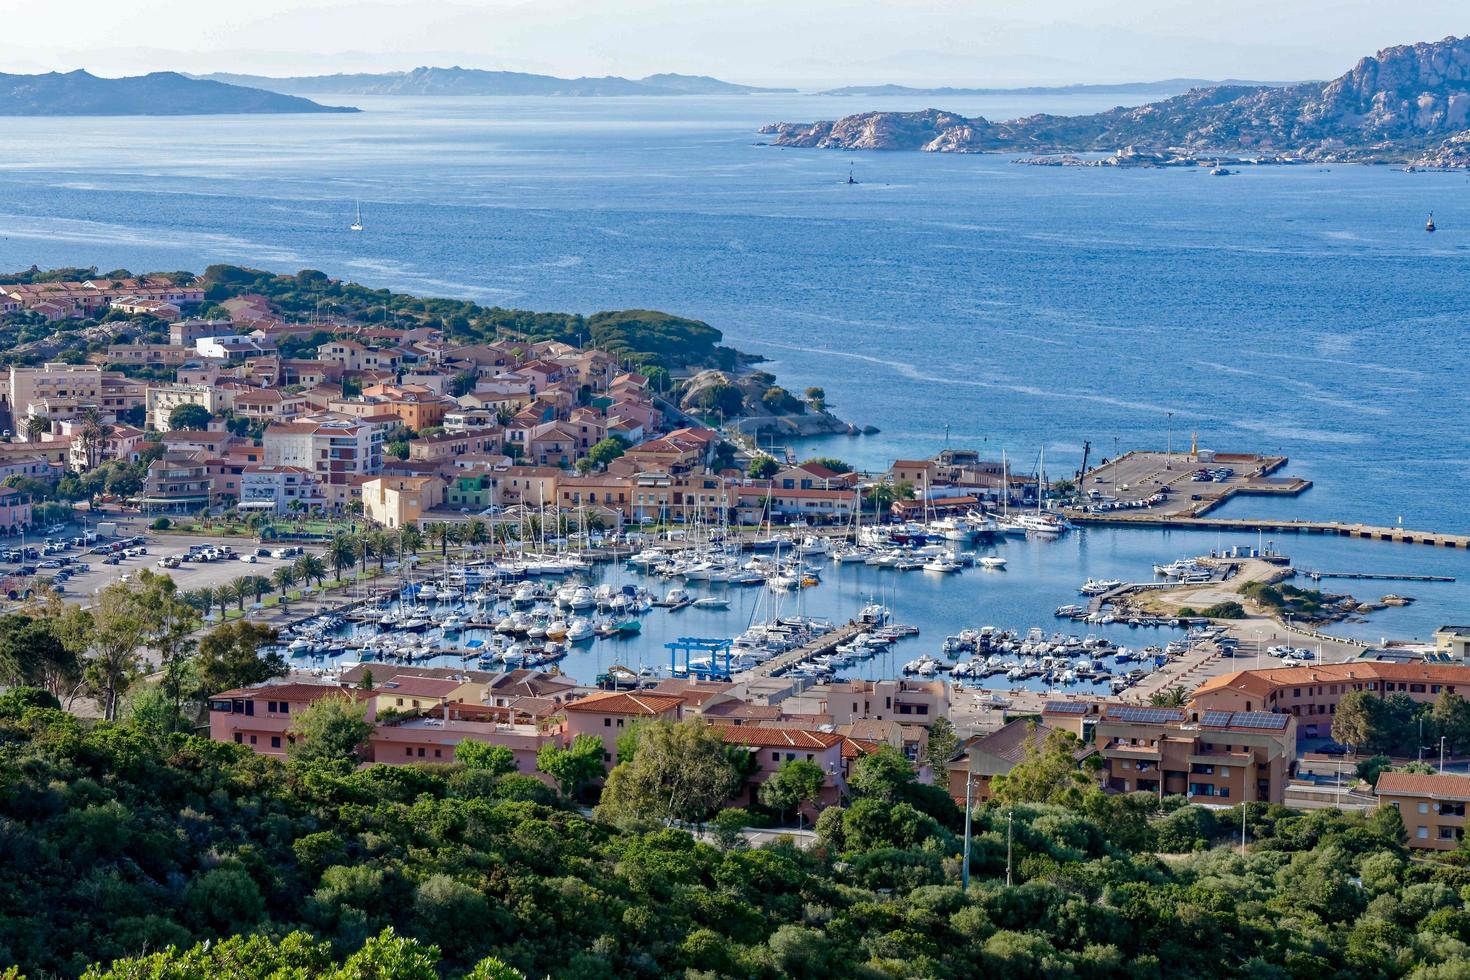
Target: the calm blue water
pixel 1294 310
pixel 1039 576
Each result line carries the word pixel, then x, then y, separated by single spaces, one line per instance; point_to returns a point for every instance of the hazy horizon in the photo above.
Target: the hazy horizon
pixel 807 43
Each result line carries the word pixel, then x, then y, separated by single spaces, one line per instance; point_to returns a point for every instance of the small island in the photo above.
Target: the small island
pixel 160 93
pixel 1404 105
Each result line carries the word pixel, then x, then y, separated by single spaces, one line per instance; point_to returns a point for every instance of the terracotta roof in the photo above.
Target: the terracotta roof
pixel 781 738
pixel 1269 679
pixel 1439 785
pixel 1010 741
pixel 852 748
pixel 612 703
pixel 282 692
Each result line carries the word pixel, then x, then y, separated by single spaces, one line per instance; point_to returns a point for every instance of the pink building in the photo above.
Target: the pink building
pixel 261 717
pixel 15 509
pixel 432 739
pixel 774 747
pixel 609 715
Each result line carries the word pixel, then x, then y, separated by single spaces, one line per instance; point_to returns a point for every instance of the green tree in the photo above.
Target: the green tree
pixel 1049 773
pixel 189 417
pixel 573 767
pixel 283 578
pixel 817 399
pixel 680 772
pixel 330 729
pixel 1358 719
pixel 1451 716
pixel 497 760
pixel 341 553
pixel 1174 697
pixel 795 783
pixel 117 632
pixel 762 468
pixel 942 744
pixel 228 657
pixel 310 568
pixel 607 450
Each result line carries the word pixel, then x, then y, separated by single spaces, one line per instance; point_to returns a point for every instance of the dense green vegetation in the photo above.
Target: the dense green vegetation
pixel 642 336
pixel 1401 726
pixel 119 841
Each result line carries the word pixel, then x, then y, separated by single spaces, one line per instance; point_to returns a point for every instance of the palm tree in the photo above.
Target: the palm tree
pixel 260 585
pixel 244 585
pixel 283 578
pixel 363 545
pixel 1174 697
pixel 309 567
pixel 439 532
pixel 341 552
pixel 477 533
pixel 206 600
pixel 36 425
pixel 225 593
pixel 384 547
pixel 410 540
pixel 93 436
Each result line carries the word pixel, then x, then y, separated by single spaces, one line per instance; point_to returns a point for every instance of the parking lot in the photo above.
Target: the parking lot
pixel 1179 483
pixel 80 572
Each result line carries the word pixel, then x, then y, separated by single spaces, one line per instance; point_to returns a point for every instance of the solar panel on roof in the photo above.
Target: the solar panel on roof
pixel 1148 716
pixel 1216 719
pixel 1259 719
pixel 1065 708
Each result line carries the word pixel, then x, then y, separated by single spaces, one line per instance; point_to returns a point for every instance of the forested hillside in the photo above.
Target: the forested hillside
pixel 115 843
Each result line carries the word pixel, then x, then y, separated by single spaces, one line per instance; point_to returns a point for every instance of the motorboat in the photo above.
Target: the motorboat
pixel 991 561
pixel 711 602
pixel 941 564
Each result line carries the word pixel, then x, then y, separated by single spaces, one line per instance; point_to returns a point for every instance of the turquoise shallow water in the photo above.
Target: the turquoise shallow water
pixel 1294 310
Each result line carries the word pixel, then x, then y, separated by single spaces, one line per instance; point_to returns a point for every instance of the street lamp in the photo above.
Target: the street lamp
pixel 1441 753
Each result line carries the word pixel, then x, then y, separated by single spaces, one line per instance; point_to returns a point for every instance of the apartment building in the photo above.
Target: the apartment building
pixel 1431 805
pixel 54 389
pixel 261 717
pixel 1311 694
pixel 1212 757
pixel 177 483
pixel 185 333
pixel 342 452
pixel 609 715
pixel 273 489
pixel 909 702
pixel 401 501
pixel 161 400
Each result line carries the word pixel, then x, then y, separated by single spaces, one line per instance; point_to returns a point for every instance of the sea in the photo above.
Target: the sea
pixel 948 300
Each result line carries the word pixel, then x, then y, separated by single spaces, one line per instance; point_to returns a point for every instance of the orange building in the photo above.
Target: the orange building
pixel 1311 694
pixel 1432 806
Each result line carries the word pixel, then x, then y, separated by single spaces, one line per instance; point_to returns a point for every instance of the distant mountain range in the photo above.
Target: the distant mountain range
pixel 162 93
pixel 1167 86
pixel 1406 104
pixel 474 81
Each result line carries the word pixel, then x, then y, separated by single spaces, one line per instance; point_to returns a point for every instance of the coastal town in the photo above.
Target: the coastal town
pixel 198 426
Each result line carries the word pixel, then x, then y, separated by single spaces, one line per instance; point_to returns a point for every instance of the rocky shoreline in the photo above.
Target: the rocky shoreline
pixel 1406 105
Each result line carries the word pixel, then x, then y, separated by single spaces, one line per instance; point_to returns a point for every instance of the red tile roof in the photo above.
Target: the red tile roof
pixel 1439 785
pixel 782 738
pixel 612 703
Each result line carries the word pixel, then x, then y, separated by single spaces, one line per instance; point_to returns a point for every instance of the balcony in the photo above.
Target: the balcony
pixel 1116 750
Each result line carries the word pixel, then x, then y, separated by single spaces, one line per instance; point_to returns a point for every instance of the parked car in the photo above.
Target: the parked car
pixel 248 559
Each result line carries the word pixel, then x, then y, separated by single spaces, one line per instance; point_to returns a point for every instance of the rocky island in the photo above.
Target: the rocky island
pixel 1408 104
pixel 160 93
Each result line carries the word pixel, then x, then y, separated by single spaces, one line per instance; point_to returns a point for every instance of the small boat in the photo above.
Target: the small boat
pixel 357 221
pixel 711 602
pixel 992 561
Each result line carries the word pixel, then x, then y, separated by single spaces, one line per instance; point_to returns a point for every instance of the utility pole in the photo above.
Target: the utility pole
pixel 1244 812
pixel 969 805
pixel 1009 814
pixel 1441 753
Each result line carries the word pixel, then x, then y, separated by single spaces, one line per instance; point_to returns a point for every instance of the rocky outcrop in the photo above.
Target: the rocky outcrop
pixel 1407 104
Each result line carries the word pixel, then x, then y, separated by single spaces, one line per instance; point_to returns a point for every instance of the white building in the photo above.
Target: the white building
pixel 336 449
pixel 271 489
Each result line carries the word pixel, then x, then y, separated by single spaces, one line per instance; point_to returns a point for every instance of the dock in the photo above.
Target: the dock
pixel 1383 576
pixel 825 643
pixel 1337 528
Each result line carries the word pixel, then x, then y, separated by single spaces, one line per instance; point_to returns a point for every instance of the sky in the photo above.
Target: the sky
pixel 794 42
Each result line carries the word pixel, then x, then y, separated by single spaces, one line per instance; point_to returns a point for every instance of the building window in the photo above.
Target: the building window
pixel 252 739
pixel 775 756
pixel 1423 807
pixel 607 723
pixel 275 741
pixel 620 723
pixel 1423 833
pixel 239 738
pixel 408 752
